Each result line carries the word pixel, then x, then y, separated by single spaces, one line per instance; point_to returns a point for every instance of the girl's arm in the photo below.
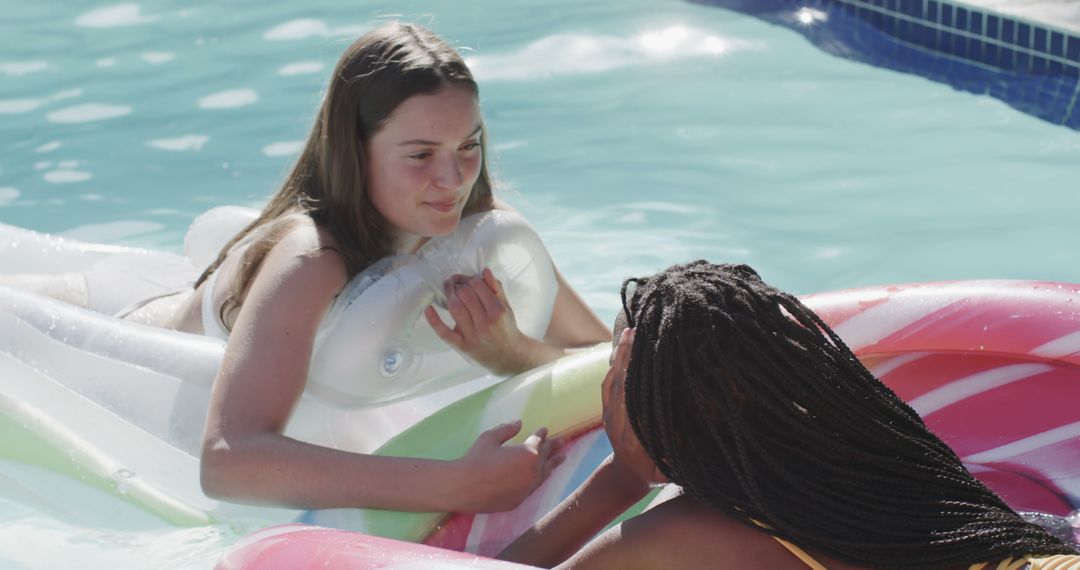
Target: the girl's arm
pixel 247 458
pixel 606 494
pixel 573 323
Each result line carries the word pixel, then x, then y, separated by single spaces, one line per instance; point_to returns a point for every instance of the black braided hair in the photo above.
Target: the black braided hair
pixel 745 398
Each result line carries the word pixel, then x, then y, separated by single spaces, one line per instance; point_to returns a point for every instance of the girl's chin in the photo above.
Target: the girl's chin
pixel 443 227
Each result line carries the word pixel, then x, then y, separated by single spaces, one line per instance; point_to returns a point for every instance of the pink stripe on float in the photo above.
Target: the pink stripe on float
pixel 1048 438
pixel 886 367
pixel 1062 346
pixel 1008 413
pixel 985 381
pixel 1012 317
pixel 837 307
pixel 882 320
pixel 936 369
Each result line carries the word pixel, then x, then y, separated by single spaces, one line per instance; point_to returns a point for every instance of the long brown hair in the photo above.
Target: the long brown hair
pixel 376 73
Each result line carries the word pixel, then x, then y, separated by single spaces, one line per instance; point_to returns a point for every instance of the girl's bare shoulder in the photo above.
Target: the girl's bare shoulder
pixel 302 252
pixel 682 533
pixel 708 537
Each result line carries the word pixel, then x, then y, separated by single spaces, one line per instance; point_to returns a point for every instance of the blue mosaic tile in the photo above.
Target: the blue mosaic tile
pixel 1038 65
pixel 889 25
pixel 960 19
pixel 922 34
pixel 1008 30
pixel 1057 44
pixel 1024 64
pixel 1023 35
pixel 1023 61
pixel 913 8
pixel 1005 58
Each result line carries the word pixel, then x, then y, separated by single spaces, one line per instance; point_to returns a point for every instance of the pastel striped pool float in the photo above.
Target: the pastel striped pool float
pixel 993 366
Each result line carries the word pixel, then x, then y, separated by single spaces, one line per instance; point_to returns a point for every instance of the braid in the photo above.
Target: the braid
pixel 748 400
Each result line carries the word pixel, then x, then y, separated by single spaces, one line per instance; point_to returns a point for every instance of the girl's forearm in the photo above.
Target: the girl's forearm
pixel 275 469
pixel 606 494
pixel 534 352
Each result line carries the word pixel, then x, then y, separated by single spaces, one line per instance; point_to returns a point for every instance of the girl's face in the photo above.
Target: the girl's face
pixel 423 163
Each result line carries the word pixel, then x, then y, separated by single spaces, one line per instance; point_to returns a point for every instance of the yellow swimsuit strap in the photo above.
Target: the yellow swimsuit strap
pixel 1055 562
pixel 1007 564
pixel 801 554
pixel 798 552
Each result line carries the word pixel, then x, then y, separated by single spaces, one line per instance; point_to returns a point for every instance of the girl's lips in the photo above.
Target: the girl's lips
pixel 444 207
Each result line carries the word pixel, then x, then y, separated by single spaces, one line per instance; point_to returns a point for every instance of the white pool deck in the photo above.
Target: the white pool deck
pixel 1063 14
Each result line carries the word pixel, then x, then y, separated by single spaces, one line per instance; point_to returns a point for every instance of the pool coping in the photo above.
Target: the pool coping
pixel 974 33
pixel 1034 67
pixel 1034 11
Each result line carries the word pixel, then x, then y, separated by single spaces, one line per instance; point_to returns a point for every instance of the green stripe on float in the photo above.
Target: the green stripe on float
pixel 563 395
pixel 31 437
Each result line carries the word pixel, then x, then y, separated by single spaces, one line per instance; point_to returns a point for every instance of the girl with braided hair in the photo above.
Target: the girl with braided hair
pixel 784 451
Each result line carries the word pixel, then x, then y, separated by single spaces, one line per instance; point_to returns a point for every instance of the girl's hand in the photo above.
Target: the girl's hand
pixel 629 460
pixel 485 328
pixel 498 477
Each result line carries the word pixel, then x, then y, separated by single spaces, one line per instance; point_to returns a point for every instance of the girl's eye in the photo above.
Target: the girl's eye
pixel 471 145
pixel 420 155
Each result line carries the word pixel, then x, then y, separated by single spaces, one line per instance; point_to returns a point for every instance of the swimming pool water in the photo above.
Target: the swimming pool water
pixel 633 134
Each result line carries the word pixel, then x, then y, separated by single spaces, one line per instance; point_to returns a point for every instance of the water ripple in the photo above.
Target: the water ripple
pixel 67 176
pixel 87 112
pixel 114 16
pixel 285 148
pixel 16 106
pixel 112 232
pixel 156 57
pixel 301 67
pixel 23 67
pixel 563 54
pixel 229 99
pixel 184 143
pixel 305 28
pixel 8 195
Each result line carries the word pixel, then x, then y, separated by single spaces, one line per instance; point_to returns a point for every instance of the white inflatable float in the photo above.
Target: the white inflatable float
pixel 101 419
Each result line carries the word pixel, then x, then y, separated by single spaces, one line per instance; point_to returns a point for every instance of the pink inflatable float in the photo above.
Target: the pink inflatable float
pixel 993 367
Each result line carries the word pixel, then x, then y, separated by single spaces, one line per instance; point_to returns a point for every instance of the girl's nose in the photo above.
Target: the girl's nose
pixel 449 171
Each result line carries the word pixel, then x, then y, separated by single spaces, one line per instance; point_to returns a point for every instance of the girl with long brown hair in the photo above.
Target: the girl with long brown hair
pixel 396 158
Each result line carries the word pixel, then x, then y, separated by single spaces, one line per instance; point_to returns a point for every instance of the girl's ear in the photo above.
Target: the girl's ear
pixel 658 478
